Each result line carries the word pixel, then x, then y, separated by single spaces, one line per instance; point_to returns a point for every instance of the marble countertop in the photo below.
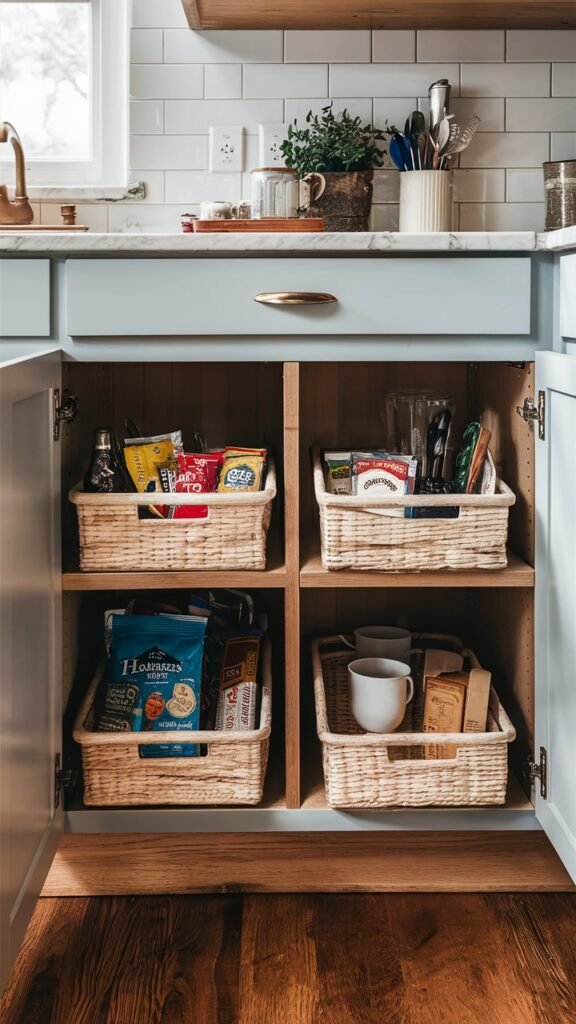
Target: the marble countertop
pixel 371 241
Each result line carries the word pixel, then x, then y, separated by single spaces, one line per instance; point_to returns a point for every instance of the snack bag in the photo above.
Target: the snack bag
pixel 197 474
pixel 144 456
pixel 241 473
pixel 159 657
pixel 238 692
pixel 339 472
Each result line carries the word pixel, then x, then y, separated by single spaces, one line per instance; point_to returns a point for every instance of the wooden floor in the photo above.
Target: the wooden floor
pixel 298 959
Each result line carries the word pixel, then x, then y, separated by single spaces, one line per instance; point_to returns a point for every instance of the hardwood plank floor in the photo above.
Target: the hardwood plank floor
pixel 298 959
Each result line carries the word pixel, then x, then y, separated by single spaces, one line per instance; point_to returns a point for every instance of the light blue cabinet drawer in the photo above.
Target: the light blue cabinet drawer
pixel 455 296
pixel 24 298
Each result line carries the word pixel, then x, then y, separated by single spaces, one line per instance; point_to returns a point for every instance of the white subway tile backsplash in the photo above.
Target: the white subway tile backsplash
pixel 394 45
pixel 187 187
pixel 479 186
pixel 502 217
pixel 460 45
pixel 166 82
pixel 525 185
pixel 131 217
pixel 544 44
pixel 223 81
pixel 192 117
pixel 299 108
pixel 146 46
pixel 394 111
pixel 506 149
pixel 505 80
pixel 223 47
pixel 563 146
pixel 169 152
pixel 490 112
pixel 564 80
pixel 146 117
pixel 285 80
pixel 538 115
pixel 522 85
pixel 389 79
pixel 151 14
pixel 309 47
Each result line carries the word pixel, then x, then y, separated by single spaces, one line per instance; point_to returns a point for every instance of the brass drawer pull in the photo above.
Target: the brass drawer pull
pixel 294 298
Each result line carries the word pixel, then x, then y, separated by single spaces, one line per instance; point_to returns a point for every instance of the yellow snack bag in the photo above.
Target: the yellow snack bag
pixel 143 462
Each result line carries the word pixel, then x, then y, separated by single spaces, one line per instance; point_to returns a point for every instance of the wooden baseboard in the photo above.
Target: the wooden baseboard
pixel 105 865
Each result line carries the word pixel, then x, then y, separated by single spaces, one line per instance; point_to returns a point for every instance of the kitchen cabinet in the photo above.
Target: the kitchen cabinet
pixel 24 298
pixel 346 14
pixel 287 404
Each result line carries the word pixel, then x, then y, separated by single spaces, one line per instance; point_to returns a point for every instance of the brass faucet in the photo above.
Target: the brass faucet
pixel 17 211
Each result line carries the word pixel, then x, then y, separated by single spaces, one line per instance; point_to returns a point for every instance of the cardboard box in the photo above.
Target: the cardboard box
pixel 436 662
pixel 477 700
pixel 444 702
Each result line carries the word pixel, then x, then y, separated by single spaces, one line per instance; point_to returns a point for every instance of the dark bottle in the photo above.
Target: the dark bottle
pixel 105 473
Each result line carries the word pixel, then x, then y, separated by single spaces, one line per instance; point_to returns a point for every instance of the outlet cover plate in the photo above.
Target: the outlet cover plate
pixel 270 138
pixel 226 149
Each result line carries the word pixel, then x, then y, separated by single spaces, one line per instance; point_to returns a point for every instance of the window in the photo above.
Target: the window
pixel 63 85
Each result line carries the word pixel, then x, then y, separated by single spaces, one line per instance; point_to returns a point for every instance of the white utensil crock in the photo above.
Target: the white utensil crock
pixel 425 201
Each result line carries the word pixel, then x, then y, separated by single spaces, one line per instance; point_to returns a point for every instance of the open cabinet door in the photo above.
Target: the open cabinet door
pixel 30 641
pixel 556 604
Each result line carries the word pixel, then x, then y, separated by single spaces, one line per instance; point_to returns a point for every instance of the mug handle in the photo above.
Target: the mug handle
pixel 315 190
pixel 411 687
pixel 346 642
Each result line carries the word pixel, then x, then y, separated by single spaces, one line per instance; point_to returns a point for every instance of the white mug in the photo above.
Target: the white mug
pixel 215 210
pixel 380 689
pixel 382 642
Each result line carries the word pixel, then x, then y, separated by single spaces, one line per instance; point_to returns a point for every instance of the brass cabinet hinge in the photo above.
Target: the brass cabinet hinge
pixel 530 412
pixel 65 411
pixel 63 779
pixel 538 771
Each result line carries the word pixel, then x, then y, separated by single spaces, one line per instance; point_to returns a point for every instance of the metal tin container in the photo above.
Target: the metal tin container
pixel 560 192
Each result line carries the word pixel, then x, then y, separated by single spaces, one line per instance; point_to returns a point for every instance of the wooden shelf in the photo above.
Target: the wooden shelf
pixel 275 576
pixel 517 574
pixel 348 14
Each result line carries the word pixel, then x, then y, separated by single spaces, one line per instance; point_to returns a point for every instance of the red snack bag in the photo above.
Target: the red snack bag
pixel 192 478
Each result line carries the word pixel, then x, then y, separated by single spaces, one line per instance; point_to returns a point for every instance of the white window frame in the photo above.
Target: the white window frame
pixel 107 168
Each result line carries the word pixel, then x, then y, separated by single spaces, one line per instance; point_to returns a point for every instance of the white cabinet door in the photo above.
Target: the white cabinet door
pixel 556 603
pixel 30 641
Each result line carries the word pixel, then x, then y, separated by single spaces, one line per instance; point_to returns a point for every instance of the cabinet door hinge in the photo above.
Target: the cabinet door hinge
pixel 65 411
pixel 530 412
pixel 63 779
pixel 538 771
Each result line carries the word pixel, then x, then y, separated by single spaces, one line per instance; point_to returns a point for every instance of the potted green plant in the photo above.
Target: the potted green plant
pixel 343 152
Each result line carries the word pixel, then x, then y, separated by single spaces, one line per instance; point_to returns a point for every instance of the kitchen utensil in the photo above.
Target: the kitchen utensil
pixel 418 131
pixel 443 134
pixel 463 138
pixel 397 152
pixel 380 689
pixel 436 443
pixel 439 93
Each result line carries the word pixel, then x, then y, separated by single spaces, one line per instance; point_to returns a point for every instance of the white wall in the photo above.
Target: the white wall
pixel 521 83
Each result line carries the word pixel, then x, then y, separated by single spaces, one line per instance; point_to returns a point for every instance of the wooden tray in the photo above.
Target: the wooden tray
pixel 263 224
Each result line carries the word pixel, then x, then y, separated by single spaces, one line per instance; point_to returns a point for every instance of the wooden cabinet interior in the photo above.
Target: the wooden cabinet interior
pixel 346 14
pixel 290 407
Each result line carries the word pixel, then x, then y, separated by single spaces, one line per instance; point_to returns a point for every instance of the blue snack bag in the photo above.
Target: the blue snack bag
pixel 162 657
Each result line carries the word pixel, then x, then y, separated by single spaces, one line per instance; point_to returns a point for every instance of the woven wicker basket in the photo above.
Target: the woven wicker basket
pixel 370 770
pixel 360 533
pixel 232 772
pixel 233 536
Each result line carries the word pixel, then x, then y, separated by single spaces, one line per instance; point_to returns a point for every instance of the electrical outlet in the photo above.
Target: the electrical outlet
pixel 226 149
pixel 271 137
